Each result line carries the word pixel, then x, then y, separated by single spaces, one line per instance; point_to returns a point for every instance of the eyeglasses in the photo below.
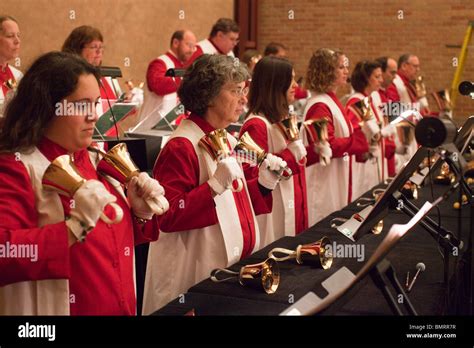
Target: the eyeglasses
pixel 240 92
pixel 96 48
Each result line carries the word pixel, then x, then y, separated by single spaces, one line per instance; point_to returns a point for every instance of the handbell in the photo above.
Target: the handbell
pixel 315 253
pixel 248 151
pixel 217 146
pixel 317 130
pixel 406 133
pixel 62 176
pixel 264 275
pixel 420 87
pixel 443 100
pixel 362 109
pixel 118 164
pixel 289 128
pixel 11 84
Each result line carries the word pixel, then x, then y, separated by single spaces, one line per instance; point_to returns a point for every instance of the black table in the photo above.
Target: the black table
pixel 427 296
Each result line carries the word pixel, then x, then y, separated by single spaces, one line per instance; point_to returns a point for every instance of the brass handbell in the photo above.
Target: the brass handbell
pixel 317 131
pixel 118 164
pixel 314 253
pixel 11 84
pixel 248 151
pixel 420 87
pixel 362 109
pixel 289 128
pixel 264 275
pixel 443 100
pixel 62 176
pixel 445 176
pixel 405 132
pixel 217 146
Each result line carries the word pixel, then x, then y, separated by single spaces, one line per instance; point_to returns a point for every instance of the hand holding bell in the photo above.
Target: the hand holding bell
pixel 118 164
pixel 62 177
pixel 217 146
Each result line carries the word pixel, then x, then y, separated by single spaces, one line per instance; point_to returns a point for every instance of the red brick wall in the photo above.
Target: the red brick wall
pixel 367 29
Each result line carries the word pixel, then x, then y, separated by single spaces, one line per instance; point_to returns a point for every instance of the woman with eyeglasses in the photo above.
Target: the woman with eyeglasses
pixel 75 263
pixel 271 92
pixel 88 42
pixel 330 187
pixel 208 225
pixel 9 49
pixel 372 166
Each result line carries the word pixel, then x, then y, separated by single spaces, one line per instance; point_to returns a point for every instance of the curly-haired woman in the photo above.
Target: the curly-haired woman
pixel 207 226
pixel 330 187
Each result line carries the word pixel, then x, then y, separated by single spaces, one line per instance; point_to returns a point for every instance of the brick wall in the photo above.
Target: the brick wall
pixel 366 29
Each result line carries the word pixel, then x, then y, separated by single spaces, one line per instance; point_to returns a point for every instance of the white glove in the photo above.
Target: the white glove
pixel 227 171
pixel 373 150
pixel 89 203
pixel 370 128
pixel 267 176
pixel 324 151
pixel 141 189
pixel 388 130
pixel 137 95
pixel 297 149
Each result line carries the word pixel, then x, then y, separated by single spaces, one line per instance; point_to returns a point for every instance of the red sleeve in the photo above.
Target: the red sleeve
pixel 19 227
pixel 355 144
pixel 258 131
pixel 389 148
pixel 191 204
pixel 199 52
pixel 392 93
pixel 156 80
pixel 144 233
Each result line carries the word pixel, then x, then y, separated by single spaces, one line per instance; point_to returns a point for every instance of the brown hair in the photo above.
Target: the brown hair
pixel 226 25
pixel 321 71
pixel 271 79
pixel 50 79
pixel 361 74
pixel 80 37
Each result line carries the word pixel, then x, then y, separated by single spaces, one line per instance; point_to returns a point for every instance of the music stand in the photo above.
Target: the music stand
pixel 377 267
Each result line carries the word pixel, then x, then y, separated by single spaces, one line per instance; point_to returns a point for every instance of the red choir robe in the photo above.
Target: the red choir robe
pixel 258 131
pixel 161 91
pixel 100 270
pixel 354 145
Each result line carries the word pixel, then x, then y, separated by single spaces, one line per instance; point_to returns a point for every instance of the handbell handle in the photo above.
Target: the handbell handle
pixel 118 215
pixel 215 272
pixel 284 173
pixel 291 254
pixel 240 186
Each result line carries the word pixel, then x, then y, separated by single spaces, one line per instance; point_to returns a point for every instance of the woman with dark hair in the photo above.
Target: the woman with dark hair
pixel 207 226
pixel 371 168
pixel 88 42
pixel 9 49
pixel 53 114
pixel 271 92
pixel 330 187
